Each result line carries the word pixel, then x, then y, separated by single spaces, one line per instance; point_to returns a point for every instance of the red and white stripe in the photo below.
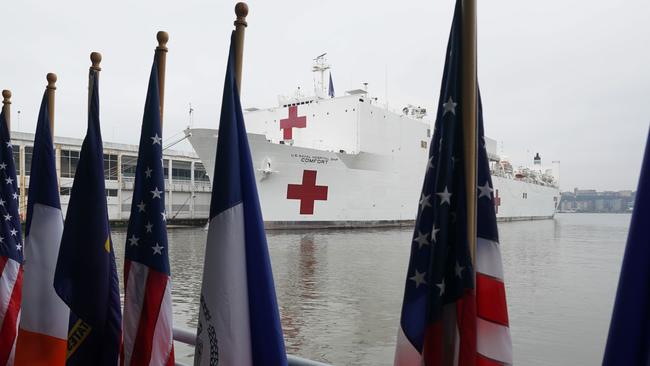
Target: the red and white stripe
pixel 494 346
pixel 147 321
pixel 474 331
pixel 11 283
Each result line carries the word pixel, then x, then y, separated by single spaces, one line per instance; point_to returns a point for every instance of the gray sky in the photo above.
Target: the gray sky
pixel 568 79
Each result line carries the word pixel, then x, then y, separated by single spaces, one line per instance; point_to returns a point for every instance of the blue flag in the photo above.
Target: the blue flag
pixel 628 342
pixel 330 90
pixel 239 322
pixel 86 277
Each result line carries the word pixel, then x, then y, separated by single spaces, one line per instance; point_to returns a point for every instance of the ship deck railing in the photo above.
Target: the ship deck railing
pixel 187 336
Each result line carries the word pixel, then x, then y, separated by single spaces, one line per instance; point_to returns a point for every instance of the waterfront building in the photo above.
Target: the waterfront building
pixel 590 200
pixel 186 180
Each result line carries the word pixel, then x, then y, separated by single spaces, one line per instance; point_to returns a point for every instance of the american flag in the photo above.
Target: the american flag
pixel 147 326
pixel 453 313
pixel 11 246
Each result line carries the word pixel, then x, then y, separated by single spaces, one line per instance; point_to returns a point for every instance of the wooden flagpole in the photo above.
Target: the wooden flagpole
pixel 470 115
pixel 241 10
pixel 161 55
pixel 51 88
pixel 6 106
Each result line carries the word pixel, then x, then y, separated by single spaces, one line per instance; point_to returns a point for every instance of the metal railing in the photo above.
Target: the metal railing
pixel 188 337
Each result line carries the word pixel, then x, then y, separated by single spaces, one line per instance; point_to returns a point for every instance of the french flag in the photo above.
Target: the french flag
pixel 239 322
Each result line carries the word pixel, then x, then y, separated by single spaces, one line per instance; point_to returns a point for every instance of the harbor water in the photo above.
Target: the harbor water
pixel 340 292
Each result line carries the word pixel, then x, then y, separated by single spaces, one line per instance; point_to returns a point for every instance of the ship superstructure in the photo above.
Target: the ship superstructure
pixel 349 161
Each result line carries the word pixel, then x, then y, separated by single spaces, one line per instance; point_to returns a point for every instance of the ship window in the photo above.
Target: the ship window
pixel 129 165
pixel 65 191
pixel 428 132
pixel 354 109
pixel 111 193
pixel 525 195
pixel 17 159
pixel 423 144
pixel 69 161
pixel 29 150
pixel 110 166
pixel 166 168
pixel 200 174
pixel 181 170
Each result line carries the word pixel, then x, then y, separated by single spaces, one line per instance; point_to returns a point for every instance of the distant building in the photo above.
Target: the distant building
pixel 590 200
pixel 187 185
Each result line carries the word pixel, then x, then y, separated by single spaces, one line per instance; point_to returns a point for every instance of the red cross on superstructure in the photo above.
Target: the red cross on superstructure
pixel 293 121
pixel 497 201
pixel 307 192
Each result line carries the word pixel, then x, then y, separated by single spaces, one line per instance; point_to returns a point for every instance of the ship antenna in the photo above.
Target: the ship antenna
pixel 320 66
pixel 191 116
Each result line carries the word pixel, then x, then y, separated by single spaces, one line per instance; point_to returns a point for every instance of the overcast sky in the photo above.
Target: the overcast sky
pixel 567 79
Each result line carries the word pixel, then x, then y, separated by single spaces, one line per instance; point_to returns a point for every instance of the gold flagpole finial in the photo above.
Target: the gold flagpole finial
pixel 6 106
pixel 241 10
pixel 51 80
pixel 163 38
pixel 6 95
pixel 96 59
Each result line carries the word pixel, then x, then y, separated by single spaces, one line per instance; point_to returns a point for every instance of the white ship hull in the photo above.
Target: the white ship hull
pixel 355 189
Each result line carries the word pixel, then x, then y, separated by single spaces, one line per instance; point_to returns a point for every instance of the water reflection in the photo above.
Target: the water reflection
pixel 340 292
pixel 302 283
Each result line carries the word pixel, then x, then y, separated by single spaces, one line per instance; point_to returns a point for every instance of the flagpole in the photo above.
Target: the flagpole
pixel 469 115
pixel 161 55
pixel 51 88
pixel 6 106
pixel 95 59
pixel 241 10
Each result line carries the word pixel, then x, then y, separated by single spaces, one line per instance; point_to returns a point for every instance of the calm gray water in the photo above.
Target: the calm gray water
pixel 340 292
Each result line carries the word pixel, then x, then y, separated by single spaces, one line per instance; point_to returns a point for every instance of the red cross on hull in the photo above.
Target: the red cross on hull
pixel 307 192
pixel 293 121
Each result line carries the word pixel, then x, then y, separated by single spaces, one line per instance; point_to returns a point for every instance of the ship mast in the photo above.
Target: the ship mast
pixel 320 66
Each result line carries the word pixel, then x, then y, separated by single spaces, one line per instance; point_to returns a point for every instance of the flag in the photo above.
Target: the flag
pixel 330 90
pixel 148 338
pixel 628 342
pixel 85 276
pixel 45 331
pixel 239 323
pixel 453 313
pixel 11 246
